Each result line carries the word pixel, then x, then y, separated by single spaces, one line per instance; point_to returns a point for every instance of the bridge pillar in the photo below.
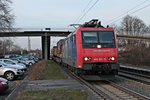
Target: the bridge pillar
pixel 45 47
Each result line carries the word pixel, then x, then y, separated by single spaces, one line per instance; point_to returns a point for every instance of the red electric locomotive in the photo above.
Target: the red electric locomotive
pixel 59 51
pixel 91 49
pixel 54 53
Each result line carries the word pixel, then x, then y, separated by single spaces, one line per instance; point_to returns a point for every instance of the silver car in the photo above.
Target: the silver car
pixel 27 61
pixel 9 72
pixel 13 64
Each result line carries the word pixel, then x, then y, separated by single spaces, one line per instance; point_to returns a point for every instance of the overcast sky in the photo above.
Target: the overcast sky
pixel 60 13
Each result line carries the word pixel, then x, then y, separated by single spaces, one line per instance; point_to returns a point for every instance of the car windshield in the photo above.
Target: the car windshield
pixel 24 59
pixel 104 38
pixel 15 60
pixel 2 64
pixel 9 62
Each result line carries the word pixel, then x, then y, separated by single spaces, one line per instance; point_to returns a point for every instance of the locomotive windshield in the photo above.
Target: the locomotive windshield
pixel 90 37
pixel 104 38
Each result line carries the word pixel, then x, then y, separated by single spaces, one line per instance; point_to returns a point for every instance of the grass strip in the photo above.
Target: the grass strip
pixel 52 72
pixel 54 94
pixel 36 70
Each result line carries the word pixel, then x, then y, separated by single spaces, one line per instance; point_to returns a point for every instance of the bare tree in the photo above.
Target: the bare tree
pixel 6 18
pixel 6 24
pixel 7 46
pixel 148 29
pixel 133 26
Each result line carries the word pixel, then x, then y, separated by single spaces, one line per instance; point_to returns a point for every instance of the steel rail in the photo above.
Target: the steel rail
pixel 118 92
pixel 134 77
pixel 138 74
pixel 133 93
pixel 103 93
pixel 135 71
pixel 97 91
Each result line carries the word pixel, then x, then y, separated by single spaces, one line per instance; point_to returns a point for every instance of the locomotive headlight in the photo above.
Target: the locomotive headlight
pixel 111 58
pixel 87 58
pixel 99 46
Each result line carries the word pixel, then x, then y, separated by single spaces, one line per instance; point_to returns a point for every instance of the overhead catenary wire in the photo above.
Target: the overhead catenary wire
pixel 133 12
pixel 85 13
pixel 129 12
pixel 138 5
pixel 140 9
pixel 88 10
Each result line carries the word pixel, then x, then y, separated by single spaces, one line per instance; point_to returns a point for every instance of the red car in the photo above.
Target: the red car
pixel 3 85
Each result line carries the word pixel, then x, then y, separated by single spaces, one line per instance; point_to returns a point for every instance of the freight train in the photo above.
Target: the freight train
pixel 90 49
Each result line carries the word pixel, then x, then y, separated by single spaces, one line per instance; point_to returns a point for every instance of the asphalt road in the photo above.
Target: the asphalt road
pixel 12 86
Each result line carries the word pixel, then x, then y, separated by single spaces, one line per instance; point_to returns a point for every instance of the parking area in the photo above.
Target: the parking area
pixel 48 81
pixel 30 74
pixel 13 71
pixel 12 86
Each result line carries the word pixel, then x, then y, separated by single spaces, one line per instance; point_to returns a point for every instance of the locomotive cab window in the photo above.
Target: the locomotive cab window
pixel 106 39
pixel 92 39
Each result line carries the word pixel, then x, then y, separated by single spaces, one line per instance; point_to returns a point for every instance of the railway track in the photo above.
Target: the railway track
pixel 101 94
pixel 116 92
pixel 137 71
pixel 107 90
pixel 138 74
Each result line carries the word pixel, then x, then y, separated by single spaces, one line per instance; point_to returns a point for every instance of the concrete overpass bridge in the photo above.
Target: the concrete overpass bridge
pixel 46 37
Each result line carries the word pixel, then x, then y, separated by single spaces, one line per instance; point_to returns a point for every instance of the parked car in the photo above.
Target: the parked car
pixel 27 61
pixel 13 63
pixel 3 85
pixel 19 61
pixel 9 72
pixel 36 59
